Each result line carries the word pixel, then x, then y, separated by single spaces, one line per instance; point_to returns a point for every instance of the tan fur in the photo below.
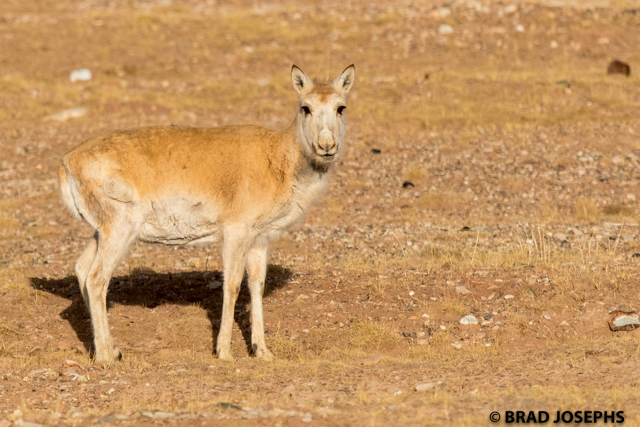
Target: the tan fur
pixel 178 185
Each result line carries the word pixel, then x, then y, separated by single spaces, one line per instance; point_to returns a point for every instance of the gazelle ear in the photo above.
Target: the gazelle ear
pixel 301 83
pixel 344 82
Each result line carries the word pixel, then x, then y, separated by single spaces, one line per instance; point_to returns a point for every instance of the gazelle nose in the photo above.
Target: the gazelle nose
pixel 326 141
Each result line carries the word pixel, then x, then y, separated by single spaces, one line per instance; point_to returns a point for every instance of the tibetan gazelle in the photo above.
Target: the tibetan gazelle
pixel 177 185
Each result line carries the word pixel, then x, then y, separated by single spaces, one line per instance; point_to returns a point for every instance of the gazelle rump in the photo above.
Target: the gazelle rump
pixel 176 185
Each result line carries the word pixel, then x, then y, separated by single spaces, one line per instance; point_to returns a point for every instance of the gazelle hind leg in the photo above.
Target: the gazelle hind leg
pixel 110 249
pixel 234 251
pixel 257 271
pixel 84 264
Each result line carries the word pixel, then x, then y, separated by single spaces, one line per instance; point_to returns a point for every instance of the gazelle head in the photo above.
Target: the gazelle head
pixel 320 117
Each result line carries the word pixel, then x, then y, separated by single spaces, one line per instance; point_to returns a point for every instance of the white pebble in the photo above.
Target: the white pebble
pixel 445 29
pixel 83 74
pixel 469 319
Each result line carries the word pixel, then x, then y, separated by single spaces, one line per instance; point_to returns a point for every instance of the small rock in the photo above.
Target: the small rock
pixel 445 29
pixel 451 283
pixel 82 75
pixel 462 290
pixel 564 323
pixel 426 323
pixel 39 371
pixel 227 405
pixel 443 12
pixel 576 232
pixel 376 151
pixel 289 389
pixel 422 342
pixel 560 236
pixel 214 284
pixel 372 360
pixel 619 67
pixel 159 414
pixel 457 345
pixel 111 390
pixel 617 160
pixel 469 319
pixel 106 420
pixel 303 296
pixel 510 9
pixel 65 115
pixel 307 418
pixel 351 229
pixel 425 387
pixel 631 197
pixel 68 363
pixel 508 296
pixel 546 316
pixel 407 184
pixel 624 321
pixel 519 28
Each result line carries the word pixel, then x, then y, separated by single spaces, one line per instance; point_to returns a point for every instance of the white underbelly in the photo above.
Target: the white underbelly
pixel 179 221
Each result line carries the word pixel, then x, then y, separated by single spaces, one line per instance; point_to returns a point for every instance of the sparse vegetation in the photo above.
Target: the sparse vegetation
pixel 524 193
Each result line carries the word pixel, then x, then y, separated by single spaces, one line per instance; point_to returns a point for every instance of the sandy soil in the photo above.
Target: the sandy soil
pixel 491 170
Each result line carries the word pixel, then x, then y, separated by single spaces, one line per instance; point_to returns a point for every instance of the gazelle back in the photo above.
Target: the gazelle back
pixel 176 185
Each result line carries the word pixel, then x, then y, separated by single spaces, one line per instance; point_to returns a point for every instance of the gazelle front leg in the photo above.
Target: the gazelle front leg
pixel 257 270
pixel 234 251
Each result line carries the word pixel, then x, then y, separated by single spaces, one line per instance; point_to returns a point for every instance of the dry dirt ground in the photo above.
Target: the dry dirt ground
pixel 523 160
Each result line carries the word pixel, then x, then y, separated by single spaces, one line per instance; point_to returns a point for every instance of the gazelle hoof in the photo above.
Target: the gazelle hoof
pixel 114 355
pixel 262 353
pixel 225 355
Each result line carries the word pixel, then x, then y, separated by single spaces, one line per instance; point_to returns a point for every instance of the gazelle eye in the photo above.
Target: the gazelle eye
pixel 305 110
pixel 341 109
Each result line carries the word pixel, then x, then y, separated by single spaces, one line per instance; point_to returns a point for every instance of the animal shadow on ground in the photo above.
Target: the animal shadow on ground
pixel 149 289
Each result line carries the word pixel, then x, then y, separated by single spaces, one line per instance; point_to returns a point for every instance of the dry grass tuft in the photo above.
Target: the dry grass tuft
pixel 283 347
pixel 520 321
pixel 452 305
pixel 446 201
pixel 415 173
pixel 515 185
pixel 371 337
pixel 617 210
pixel 586 210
